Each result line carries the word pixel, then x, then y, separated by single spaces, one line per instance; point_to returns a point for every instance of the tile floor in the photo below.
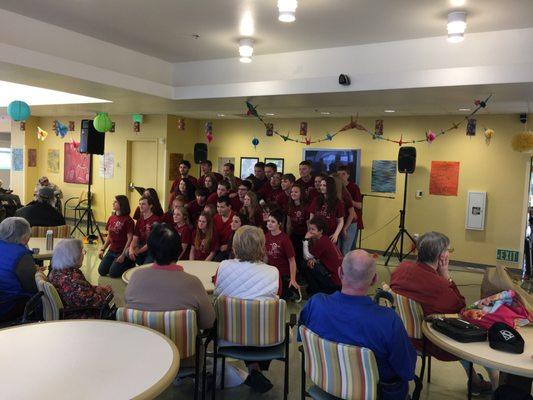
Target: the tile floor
pixel 448 380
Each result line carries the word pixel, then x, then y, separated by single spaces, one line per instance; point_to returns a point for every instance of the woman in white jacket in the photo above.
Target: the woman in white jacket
pixel 248 277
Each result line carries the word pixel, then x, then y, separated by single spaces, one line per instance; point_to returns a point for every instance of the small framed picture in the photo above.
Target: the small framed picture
pixel 278 161
pixel 247 166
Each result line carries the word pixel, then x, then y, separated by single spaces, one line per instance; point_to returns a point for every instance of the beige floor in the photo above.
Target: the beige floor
pixel 448 380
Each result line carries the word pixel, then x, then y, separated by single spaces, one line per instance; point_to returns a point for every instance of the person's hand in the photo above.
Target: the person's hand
pixel 334 238
pixel 232 195
pixel 120 259
pixel 311 263
pixel 101 254
pixel 108 288
pixel 224 247
pixel 40 268
pixel 442 267
pixel 294 284
pixel 308 235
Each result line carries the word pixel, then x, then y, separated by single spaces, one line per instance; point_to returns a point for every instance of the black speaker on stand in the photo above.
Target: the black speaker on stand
pixel 91 142
pixel 406 165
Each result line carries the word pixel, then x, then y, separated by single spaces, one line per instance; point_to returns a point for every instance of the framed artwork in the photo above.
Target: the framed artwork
pixel 383 176
pixel 174 165
pixel 278 161
pixel 53 161
pixel 32 157
pixel 247 166
pixel 76 165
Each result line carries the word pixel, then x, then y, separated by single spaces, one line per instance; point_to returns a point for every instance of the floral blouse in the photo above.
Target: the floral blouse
pixel 75 291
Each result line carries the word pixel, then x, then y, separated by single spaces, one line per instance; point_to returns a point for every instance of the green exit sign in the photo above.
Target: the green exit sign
pixel 507 255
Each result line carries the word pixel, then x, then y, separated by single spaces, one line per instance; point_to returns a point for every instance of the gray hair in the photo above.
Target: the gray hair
pixel 431 245
pixel 13 229
pixel 67 254
pixel 359 269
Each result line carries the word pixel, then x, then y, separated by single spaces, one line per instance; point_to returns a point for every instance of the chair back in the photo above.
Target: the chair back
pixel 410 313
pixel 52 304
pixel 61 231
pixel 180 326
pixel 345 371
pixel 251 322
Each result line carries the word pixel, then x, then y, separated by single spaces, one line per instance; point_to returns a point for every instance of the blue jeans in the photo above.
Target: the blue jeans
pixel 144 258
pixel 347 243
pixel 108 265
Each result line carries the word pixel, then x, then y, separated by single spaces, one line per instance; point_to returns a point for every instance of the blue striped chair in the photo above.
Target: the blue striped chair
pixel 338 371
pixel 260 324
pixel 180 326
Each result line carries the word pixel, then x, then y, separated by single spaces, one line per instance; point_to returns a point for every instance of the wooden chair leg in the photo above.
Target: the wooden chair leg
pixel 470 370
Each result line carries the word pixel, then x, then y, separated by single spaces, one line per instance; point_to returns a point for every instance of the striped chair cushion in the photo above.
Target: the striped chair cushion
pixel 62 231
pixel 52 304
pixel 345 371
pixel 251 322
pixel 180 326
pixel 411 314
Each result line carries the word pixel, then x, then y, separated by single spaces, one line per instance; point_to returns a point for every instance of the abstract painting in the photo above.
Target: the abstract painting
pixel 52 161
pixel 383 176
pixel 17 159
pixel 444 178
pixel 32 157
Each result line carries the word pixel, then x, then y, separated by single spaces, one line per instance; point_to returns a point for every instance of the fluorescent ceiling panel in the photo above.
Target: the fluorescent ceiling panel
pixel 36 96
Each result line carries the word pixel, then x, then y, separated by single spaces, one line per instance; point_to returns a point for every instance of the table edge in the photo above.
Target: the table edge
pixel 472 357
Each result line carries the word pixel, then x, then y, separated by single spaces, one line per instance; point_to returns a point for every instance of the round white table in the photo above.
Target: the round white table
pixel 85 359
pixel 40 243
pixel 204 270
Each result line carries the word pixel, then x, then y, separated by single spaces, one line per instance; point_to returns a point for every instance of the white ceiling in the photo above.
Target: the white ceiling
pixel 163 28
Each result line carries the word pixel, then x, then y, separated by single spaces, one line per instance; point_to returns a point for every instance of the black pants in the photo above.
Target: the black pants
pixel 319 280
pixel 297 244
pixel 527 258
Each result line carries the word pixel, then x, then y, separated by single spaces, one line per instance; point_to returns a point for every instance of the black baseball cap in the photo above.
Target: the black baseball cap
pixel 505 338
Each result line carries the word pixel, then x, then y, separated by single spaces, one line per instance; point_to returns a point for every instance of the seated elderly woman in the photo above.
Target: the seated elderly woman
pixel 17 268
pixel 73 289
pixel 248 277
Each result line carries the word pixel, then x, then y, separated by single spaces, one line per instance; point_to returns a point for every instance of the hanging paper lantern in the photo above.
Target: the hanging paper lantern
pixel 480 103
pixel 523 141
pixel 181 124
pixel 18 110
pixel 270 129
pixel 303 128
pixel 209 137
pixel 60 129
pixel 102 123
pixel 255 142
pixel 41 134
pixel 208 129
pixel 430 136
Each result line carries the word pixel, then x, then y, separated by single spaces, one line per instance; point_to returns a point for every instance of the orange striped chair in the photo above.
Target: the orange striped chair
pixel 180 326
pixel 338 371
pixel 252 323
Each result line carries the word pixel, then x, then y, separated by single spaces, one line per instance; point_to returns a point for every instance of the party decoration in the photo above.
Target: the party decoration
pixel 181 124
pixel 471 127
pixel 307 141
pixel 489 133
pixel 430 136
pixel 303 128
pixel 75 144
pixel 22 126
pixel 60 129
pixel 18 110
pixel 354 124
pixel 270 129
pixel 71 126
pixel 41 134
pixel 102 123
pixel 378 128
pixel 209 131
pixel 523 141
pixel 112 127
pixel 255 142
pixel 137 118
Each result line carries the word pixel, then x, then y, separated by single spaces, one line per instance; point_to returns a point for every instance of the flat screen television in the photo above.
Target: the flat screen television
pixel 328 160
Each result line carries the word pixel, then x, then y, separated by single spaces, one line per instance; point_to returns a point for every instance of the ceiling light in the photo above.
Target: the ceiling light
pixel 325 112
pixel 458 3
pixel 464 109
pixel 389 111
pixel 270 114
pixel 246 49
pixel 221 115
pixel 36 96
pixel 287 10
pixel 246 27
pixel 456 26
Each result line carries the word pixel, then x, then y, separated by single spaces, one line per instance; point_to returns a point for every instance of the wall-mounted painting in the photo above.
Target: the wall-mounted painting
pixel 278 161
pixel 247 166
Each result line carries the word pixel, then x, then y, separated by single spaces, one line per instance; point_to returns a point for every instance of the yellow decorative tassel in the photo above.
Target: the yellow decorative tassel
pixel 523 141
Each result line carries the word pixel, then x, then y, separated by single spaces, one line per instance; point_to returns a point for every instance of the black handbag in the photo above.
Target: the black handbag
pixel 460 330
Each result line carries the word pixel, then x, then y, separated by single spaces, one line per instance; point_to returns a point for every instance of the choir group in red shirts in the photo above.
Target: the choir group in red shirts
pixel 309 223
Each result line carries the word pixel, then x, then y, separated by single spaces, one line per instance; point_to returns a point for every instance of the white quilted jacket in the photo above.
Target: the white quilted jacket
pixel 246 280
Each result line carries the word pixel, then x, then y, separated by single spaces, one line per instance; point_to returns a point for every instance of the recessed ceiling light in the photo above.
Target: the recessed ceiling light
pixel 456 26
pixel 464 109
pixel 270 114
pixel 287 10
pixel 221 115
pixel 389 111
pixel 246 27
pixel 246 49
pixel 458 3
pixel 36 96
pixel 325 112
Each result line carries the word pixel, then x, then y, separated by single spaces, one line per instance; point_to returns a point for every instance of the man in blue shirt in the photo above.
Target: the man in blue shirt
pixel 351 317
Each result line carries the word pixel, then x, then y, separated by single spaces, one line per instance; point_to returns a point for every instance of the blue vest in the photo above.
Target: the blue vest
pixel 10 255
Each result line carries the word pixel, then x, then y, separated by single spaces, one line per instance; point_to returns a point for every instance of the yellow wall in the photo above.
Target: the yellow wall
pixel 23 182
pixel 493 168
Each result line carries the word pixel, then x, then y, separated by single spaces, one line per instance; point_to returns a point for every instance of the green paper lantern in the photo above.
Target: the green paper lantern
pixel 102 123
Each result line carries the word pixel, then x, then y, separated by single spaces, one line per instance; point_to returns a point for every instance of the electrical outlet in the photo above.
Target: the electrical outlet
pixel 419 194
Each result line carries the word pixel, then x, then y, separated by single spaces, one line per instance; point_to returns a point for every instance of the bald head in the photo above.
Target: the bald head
pixel 358 270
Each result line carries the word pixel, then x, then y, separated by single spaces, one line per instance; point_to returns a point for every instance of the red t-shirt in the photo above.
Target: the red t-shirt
pixel 298 215
pixel 329 255
pixel 282 199
pixel 185 233
pixel 235 202
pixel 118 227
pixel 312 194
pixel 307 186
pixel 143 228
pixel 347 202
pixel 137 213
pixel 177 181
pixel 167 218
pixel 223 229
pixel 279 249
pixel 202 252
pixel 330 217
pixel 194 210
pixel 201 180
pixel 268 193
pixel 355 192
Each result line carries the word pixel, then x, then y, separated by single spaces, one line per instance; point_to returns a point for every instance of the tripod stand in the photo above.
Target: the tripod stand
pixel 92 226
pixel 401 232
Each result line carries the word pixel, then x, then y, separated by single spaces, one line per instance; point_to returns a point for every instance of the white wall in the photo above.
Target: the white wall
pixel 5 141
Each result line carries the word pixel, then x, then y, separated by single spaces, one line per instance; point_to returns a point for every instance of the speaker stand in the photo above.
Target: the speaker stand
pixel 92 227
pixel 393 246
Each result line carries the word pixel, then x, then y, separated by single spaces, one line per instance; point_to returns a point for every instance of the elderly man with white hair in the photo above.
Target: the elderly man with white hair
pixel 349 316
pixel 72 286
pixel 17 268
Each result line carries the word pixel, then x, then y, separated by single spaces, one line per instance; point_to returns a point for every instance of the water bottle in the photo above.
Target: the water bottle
pixel 49 240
